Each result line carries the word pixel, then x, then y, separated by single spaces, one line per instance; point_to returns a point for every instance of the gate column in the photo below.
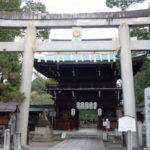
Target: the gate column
pixel 26 81
pixel 127 76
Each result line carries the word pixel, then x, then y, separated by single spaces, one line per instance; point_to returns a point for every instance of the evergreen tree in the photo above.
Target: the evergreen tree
pixel 10 67
pixel 123 4
pixel 39 94
pixel 142 78
pixel 37 7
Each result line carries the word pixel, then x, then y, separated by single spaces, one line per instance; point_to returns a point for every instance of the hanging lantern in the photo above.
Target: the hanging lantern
pixel 90 105
pixel 99 111
pixel 86 105
pixel 82 105
pixel 73 112
pixel 94 105
pixel 78 105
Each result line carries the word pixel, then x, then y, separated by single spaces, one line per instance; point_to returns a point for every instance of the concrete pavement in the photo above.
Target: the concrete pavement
pixel 79 144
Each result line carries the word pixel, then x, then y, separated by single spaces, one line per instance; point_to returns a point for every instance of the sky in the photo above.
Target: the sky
pixel 80 6
pixel 83 6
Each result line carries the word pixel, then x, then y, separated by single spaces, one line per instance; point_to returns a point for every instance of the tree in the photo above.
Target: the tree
pixel 141 33
pixel 123 4
pixel 34 7
pixel 10 5
pixel 10 77
pixel 10 68
pixel 142 78
pixel 39 94
pixel 37 8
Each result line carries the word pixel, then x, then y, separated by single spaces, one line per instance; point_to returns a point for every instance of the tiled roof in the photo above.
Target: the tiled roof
pixel 8 107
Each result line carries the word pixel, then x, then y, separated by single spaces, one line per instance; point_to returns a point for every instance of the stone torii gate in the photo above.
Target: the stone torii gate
pixel 120 20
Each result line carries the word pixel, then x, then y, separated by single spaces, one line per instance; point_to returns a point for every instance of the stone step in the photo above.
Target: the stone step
pixel 87 136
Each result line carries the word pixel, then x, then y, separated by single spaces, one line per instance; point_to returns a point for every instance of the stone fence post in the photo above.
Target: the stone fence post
pixel 7 139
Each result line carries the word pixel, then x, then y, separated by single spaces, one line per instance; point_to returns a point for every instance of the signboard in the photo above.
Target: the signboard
pixel 147 115
pixel 52 113
pixel 127 123
pixel 63 136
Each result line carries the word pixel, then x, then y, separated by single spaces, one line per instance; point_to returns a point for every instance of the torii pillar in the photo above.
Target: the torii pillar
pixel 127 76
pixel 26 81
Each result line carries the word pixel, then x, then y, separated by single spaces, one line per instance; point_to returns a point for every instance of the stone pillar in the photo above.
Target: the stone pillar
pixel 127 76
pixel 140 133
pixel 26 81
pixel 147 115
pixel 7 139
pixel 17 142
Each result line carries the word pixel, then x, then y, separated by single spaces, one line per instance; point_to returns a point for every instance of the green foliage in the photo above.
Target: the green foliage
pixel 43 34
pixel 11 5
pixel 34 7
pixel 38 85
pixel 90 115
pixel 141 33
pixel 37 8
pixel 9 64
pixel 10 79
pixel 142 80
pixel 39 94
pixel 123 4
pixel 9 34
pixel 51 83
pixel 41 99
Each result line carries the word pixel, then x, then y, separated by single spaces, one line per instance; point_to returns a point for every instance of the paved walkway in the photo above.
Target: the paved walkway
pixel 79 144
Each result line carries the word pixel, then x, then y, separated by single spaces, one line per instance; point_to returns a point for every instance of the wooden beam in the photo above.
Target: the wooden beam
pixel 84 89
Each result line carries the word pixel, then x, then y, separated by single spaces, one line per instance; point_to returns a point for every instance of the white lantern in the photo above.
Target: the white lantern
pixel 78 105
pixel 90 105
pixel 73 112
pixel 99 111
pixel 95 105
pixel 82 105
pixel 86 105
